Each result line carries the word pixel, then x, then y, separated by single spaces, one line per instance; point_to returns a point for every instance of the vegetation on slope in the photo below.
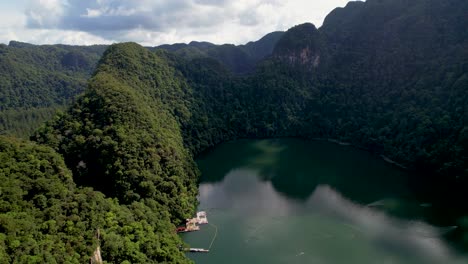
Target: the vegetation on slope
pixel 405 76
pixel 46 218
pixel 123 136
pixel 369 76
pixel 387 75
pixel 38 80
pixel 240 59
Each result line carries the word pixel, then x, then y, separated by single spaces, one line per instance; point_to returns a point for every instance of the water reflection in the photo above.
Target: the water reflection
pixel 257 215
pixel 295 168
pixel 242 191
pixel 290 201
pixel 412 239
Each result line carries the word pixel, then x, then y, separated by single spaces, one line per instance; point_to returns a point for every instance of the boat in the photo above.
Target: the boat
pixel 187 228
pixel 199 250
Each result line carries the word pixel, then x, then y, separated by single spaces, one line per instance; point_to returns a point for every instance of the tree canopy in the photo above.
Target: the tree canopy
pixel 389 76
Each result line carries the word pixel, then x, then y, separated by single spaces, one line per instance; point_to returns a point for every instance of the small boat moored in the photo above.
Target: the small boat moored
pixel 198 250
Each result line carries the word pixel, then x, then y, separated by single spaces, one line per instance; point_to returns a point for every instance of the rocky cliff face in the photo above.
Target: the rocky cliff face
pixel 301 45
pixel 397 73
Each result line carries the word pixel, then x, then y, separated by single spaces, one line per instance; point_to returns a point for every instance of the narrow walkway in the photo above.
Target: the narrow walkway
pixel 202 250
pixel 214 237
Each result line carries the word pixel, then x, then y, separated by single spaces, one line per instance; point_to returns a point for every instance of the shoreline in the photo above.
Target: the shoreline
pixel 382 156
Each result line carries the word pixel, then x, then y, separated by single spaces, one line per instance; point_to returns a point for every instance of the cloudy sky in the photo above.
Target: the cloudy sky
pixel 154 22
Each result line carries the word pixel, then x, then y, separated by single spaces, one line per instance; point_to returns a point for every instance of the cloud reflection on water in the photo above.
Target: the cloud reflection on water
pixel 413 239
pixel 257 203
pixel 241 190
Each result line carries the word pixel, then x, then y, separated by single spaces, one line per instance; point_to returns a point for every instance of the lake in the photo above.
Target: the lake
pixel 296 201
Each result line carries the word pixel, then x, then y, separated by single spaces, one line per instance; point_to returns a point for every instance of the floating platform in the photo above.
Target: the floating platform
pixel 184 229
pixel 191 224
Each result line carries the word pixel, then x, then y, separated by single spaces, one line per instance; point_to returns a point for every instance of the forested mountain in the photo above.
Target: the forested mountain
pixel 35 81
pixel 46 218
pixel 240 59
pixel 123 135
pixel 369 76
pixel 405 64
pixel 386 75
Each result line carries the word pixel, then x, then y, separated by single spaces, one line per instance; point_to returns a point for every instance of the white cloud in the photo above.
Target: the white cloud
pixel 45 13
pixel 92 12
pixel 156 22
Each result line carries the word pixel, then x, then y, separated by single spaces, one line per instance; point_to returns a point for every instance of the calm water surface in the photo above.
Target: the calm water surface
pixel 294 201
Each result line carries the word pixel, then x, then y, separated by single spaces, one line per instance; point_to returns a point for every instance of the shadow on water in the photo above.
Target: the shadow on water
pixel 297 167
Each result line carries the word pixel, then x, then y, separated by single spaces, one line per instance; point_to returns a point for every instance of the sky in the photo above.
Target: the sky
pixel 154 22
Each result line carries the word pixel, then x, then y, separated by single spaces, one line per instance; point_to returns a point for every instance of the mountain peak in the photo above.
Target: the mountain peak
pixel 301 44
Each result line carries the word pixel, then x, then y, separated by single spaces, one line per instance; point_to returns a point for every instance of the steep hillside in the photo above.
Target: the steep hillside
pixel 389 76
pixel 123 138
pixel 46 218
pixel 240 59
pixel 302 45
pixel 38 80
pixel 123 135
pixel 403 67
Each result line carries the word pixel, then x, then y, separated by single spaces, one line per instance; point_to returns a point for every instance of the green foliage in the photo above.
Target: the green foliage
pixel 389 76
pixel 123 135
pixel 297 39
pixel 37 80
pixel 238 59
pixel 392 86
pixel 45 218
pixel 401 76
pixel 21 122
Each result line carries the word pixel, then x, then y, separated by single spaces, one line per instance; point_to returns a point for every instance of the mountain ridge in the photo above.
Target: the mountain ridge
pixel 134 132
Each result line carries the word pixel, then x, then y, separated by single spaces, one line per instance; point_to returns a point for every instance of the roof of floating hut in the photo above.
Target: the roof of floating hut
pixel 201 218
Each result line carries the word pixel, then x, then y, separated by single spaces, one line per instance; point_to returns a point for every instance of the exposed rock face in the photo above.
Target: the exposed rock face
pixel 96 257
pixel 301 45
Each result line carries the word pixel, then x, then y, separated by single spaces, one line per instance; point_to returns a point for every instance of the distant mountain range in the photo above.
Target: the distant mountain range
pixel 239 59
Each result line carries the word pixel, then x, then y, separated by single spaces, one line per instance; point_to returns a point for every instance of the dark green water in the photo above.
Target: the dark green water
pixel 293 201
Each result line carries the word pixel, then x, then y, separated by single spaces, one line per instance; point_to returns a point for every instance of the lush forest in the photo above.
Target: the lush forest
pixel 396 86
pixel 240 59
pixel 123 135
pixel 389 76
pixel 46 218
pixel 36 81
